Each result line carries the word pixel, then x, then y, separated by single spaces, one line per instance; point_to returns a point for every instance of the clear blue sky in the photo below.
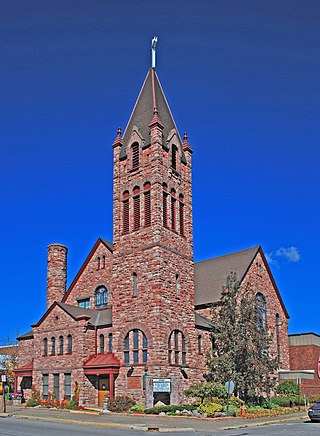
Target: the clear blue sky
pixel 241 77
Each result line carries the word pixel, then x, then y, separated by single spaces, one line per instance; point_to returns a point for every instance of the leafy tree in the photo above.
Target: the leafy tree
pixel 241 343
pixel 288 387
pixel 9 361
pixel 206 390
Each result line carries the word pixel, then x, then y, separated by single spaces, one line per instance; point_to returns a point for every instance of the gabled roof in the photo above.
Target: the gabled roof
pixel 28 335
pixel 100 363
pixel 94 317
pixel 202 322
pixel 150 97
pixel 25 370
pixel 211 275
pixel 107 244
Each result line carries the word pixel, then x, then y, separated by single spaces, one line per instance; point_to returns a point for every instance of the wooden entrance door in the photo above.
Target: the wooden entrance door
pixel 103 388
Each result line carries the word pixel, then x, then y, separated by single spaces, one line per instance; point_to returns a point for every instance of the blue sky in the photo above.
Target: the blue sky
pixel 241 77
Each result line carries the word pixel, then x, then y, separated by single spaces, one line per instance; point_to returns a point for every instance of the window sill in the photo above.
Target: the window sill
pixel 68 354
pixel 44 355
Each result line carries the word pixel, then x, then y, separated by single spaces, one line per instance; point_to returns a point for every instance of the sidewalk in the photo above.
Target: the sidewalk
pixel 145 422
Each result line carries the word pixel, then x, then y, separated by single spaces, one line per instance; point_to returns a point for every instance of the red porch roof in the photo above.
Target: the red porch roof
pixel 103 363
pixel 25 370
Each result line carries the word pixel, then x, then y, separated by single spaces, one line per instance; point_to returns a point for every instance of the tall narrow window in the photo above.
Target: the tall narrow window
pixel 45 386
pixel 69 339
pixel 278 337
pixel 98 262
pixel 147 204
pixel 67 386
pixel 177 283
pixel 135 283
pixel 135 346
pixel 53 345
pixel 110 342
pixel 173 209
pixel 56 386
pixel 199 344
pixel 174 154
pixel 261 311
pixel 60 344
pixel 125 212
pixel 177 348
pixel 165 205
pixel 181 214
pixel 127 349
pixel 135 155
pixel 101 343
pixel 136 208
pixel 45 346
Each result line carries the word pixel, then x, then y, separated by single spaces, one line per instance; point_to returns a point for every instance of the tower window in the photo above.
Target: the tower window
pixel 101 297
pixel 125 202
pixel 177 348
pixel 135 347
pixel 136 208
pixel 173 209
pixel 147 204
pixel 101 343
pixel 199 344
pixel 165 205
pixel 181 214
pixel 135 155
pixel 174 153
pixel 135 283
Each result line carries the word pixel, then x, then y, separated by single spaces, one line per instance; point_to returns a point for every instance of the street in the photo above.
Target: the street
pixel 14 426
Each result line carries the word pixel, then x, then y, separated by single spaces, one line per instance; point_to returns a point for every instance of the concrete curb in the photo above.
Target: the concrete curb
pixel 259 424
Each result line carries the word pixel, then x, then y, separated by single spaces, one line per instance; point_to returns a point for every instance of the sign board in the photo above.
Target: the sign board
pixel 3 378
pixel 229 385
pixel 161 385
pixel 295 374
pixel 134 382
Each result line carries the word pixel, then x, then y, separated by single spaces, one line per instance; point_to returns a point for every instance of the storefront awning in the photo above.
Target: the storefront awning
pixel 103 363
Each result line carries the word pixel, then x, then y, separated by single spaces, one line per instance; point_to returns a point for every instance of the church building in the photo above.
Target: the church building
pixel 135 320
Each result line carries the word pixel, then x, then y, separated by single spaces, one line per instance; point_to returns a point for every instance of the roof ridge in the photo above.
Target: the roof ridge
pixel 255 248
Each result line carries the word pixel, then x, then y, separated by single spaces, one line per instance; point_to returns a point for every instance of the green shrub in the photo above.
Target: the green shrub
pixel 32 403
pixel 287 387
pixel 313 398
pixel 121 404
pixel 73 404
pixel 168 409
pixel 206 390
pixel 232 410
pixel 236 401
pixel 287 401
pixel 210 409
pixel 137 408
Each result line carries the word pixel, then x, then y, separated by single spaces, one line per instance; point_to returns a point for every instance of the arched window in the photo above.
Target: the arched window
pixel 135 155
pixel 45 346
pixel 60 344
pixel 135 283
pixel 101 343
pixel 173 209
pixel 165 205
pixel 177 348
pixel 181 214
pixel 125 212
pixel 69 339
pixel 98 262
pixel 200 344
pixel 174 154
pixel 110 342
pixel 147 204
pixel 101 297
pixel 53 345
pixel 278 337
pixel 135 347
pixel 136 208
pixel 261 311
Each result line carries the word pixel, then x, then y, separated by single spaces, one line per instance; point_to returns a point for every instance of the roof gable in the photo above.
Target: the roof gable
pixel 107 244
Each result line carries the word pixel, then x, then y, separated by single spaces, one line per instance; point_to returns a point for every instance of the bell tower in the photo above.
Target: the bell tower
pixel 153 275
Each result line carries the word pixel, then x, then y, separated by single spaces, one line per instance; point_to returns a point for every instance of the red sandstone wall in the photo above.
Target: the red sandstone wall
pixel 306 357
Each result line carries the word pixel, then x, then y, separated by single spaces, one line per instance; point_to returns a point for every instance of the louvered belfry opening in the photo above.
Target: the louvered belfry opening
pixel 125 227
pixel 174 157
pixel 165 205
pixel 135 155
pixel 173 209
pixel 147 204
pixel 136 208
pixel 181 214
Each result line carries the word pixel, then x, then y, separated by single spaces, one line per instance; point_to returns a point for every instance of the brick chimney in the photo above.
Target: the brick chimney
pixel 57 273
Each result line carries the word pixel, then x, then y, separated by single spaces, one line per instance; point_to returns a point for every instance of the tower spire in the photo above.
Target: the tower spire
pixel 153 51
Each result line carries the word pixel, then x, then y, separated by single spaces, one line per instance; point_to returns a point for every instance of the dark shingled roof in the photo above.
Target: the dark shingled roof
pixel 143 111
pixel 96 317
pixel 202 322
pixel 28 335
pixel 211 274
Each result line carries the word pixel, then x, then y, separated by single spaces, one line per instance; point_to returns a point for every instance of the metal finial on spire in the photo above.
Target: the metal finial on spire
pixel 153 51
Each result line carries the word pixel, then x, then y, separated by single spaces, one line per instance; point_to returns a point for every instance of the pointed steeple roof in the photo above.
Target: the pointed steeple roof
pixel 151 101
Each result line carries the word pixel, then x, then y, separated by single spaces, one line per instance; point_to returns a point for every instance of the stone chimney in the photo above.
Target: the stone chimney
pixel 57 273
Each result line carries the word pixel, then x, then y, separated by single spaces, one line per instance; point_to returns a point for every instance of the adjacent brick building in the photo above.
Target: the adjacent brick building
pixel 136 318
